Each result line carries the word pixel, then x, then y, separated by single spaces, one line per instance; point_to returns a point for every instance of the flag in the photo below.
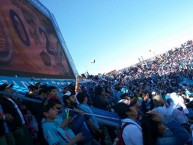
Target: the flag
pixel 106 117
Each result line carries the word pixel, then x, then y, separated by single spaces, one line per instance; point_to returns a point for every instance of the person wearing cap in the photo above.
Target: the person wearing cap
pixel 134 100
pixel 18 127
pixel 80 119
pixel 132 133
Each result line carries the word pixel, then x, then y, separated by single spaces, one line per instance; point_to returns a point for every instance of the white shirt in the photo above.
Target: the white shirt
pixel 132 133
pixel 178 102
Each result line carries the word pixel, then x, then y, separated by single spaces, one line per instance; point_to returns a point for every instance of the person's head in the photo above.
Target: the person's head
pixel 98 90
pixel 38 85
pixel 125 108
pixel 125 96
pixel 7 88
pixel 151 129
pixel 133 99
pixel 53 91
pixel 82 98
pixel 51 108
pixel 32 89
pixel 145 96
pixel 158 101
pixel 83 89
pixel 43 92
pixel 65 89
pixel 69 98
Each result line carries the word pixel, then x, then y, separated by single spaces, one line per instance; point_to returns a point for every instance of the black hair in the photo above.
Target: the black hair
pixel 38 83
pixel 66 97
pixel 124 96
pixel 42 90
pixel 117 88
pixel 80 97
pixel 98 90
pixel 30 87
pixel 121 109
pixel 145 94
pixel 51 88
pixel 150 130
pixel 50 104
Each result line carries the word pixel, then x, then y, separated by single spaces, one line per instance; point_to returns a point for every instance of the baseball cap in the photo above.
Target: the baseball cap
pixel 157 98
pixel 124 106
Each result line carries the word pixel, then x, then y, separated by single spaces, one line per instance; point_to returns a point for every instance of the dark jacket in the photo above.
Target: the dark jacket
pixel 9 108
pixel 2 131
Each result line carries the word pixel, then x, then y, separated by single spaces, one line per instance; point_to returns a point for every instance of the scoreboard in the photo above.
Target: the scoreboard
pixel 31 44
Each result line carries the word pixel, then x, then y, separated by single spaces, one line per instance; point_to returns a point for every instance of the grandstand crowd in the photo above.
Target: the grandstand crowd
pixel 153 100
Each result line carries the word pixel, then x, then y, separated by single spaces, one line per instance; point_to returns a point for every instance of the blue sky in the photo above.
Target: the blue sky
pixel 117 32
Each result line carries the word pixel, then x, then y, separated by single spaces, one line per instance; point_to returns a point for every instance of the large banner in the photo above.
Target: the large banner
pixel 31 44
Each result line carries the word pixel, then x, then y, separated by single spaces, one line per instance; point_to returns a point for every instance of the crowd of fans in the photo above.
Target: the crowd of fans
pixel 151 98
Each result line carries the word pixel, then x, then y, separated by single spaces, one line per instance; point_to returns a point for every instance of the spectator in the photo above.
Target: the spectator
pixel 53 92
pixel 6 137
pixel 147 103
pixel 152 130
pixel 53 133
pixel 18 126
pixel 80 119
pixel 95 127
pixel 132 133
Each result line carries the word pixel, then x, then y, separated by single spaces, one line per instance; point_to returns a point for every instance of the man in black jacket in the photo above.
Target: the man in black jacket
pixel 6 137
pixel 18 126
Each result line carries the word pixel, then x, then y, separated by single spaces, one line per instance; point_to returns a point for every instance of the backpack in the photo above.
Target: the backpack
pixel 119 140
